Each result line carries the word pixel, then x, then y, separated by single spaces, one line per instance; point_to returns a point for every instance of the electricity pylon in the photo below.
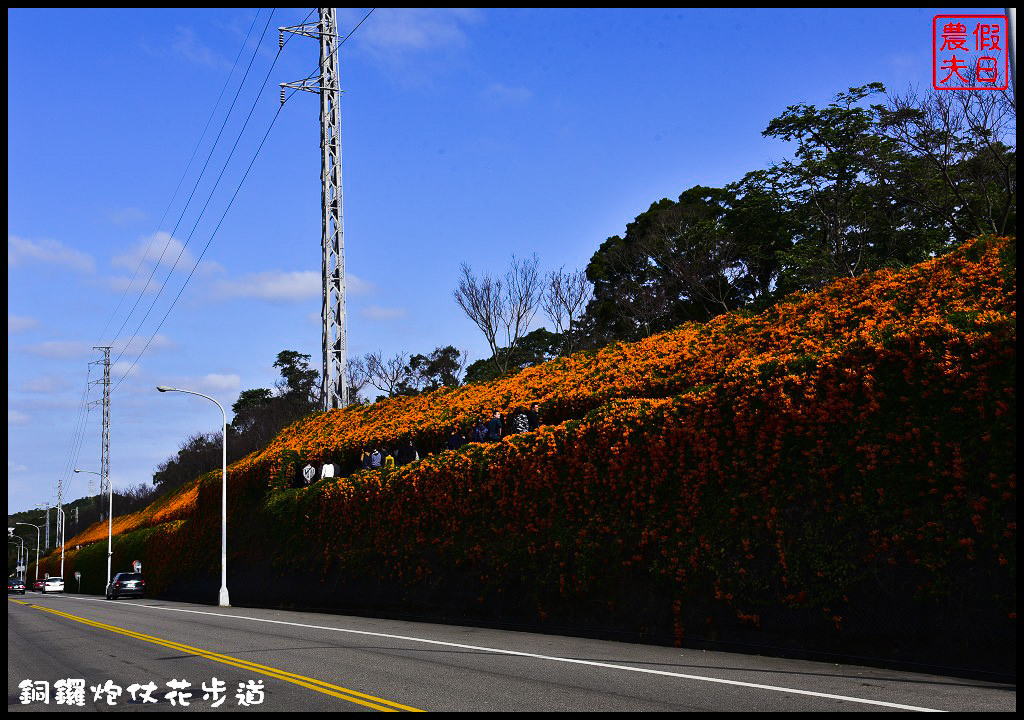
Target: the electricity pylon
pixel 332 240
pixel 105 448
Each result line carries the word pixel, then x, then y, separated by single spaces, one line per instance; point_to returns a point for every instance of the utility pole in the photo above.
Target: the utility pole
pixel 105 457
pixel 40 506
pixel 105 448
pixel 59 529
pixel 334 388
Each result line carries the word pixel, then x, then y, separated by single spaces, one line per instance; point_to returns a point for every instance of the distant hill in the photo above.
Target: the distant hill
pixel 834 475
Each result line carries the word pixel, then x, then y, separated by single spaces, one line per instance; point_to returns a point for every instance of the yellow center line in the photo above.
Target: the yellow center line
pixel 312 683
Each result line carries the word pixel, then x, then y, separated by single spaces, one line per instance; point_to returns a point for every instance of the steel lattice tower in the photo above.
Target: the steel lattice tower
pixel 332 239
pixel 105 451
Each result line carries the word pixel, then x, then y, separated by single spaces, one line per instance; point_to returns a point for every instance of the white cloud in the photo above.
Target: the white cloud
pixel 392 30
pixel 357 286
pixel 141 343
pixel 374 312
pixel 411 44
pixel 17 323
pixel 51 252
pixel 19 468
pixel 188 46
pixel 16 418
pixel 218 383
pixel 297 285
pixel 150 260
pixel 123 369
pixel 158 247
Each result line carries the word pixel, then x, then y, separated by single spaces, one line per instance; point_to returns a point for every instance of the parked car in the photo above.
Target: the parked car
pixel 16 586
pixel 53 584
pixel 128 584
pixel 37 586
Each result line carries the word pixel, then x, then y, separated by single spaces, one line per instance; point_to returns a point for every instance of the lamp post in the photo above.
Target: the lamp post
pixel 17 562
pixel 37 544
pixel 21 553
pixel 224 602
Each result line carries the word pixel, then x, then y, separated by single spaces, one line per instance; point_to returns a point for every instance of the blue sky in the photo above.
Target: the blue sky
pixel 468 135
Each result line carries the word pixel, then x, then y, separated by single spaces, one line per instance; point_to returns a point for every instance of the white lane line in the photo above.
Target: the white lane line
pixel 553 658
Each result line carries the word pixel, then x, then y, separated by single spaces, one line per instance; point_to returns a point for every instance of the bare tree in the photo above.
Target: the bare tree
pixel 503 306
pixel 968 172
pixel 564 299
pixel 358 373
pixel 387 375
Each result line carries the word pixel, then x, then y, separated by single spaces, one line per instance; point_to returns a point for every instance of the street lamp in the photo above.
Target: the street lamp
pixel 224 494
pixel 37 544
pixel 21 552
pixel 17 562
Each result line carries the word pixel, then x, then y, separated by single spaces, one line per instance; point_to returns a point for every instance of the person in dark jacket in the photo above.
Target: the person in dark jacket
pixel 456 439
pixel 494 428
pixel 405 453
pixel 533 415
pixel 480 432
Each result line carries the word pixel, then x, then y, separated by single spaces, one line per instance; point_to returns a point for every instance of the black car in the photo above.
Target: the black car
pixel 128 584
pixel 16 586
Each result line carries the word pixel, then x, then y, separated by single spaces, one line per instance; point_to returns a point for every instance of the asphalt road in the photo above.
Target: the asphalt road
pixel 126 653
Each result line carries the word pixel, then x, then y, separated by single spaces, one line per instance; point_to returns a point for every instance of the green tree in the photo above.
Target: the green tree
pixel 711 251
pixel 248 406
pixel 299 384
pixel 845 188
pixel 442 368
pixel 198 453
pixel 764 229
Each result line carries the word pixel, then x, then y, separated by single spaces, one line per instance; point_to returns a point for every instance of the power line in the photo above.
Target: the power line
pixel 180 181
pixel 170 237
pixel 198 179
pixel 209 198
pixel 224 214
pixel 78 433
pixel 82 419
pixel 192 272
